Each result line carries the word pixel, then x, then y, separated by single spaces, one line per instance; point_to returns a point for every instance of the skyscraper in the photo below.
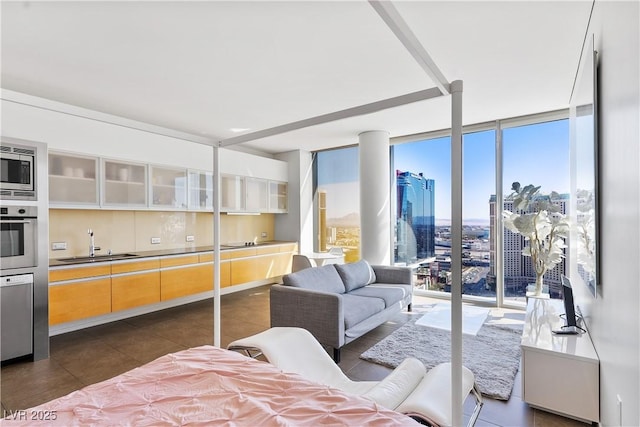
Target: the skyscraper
pixel 518 270
pixel 415 217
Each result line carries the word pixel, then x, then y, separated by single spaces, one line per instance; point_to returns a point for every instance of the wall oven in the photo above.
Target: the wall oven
pixel 17 172
pixel 18 237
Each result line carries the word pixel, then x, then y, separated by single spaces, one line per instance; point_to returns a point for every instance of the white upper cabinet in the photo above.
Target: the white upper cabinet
pixel 125 184
pixel 81 181
pixel 200 187
pixel 168 187
pixel 278 197
pixel 232 193
pixel 73 180
pixel 257 195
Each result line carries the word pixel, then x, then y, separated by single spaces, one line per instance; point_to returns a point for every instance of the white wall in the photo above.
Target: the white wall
pixel 614 316
pixel 298 223
pixel 68 128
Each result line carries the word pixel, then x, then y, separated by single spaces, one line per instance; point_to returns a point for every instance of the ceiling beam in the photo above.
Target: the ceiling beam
pixel 360 110
pixel 394 21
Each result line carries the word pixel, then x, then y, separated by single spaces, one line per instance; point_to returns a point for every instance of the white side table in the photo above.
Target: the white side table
pixel 560 373
pixel 321 257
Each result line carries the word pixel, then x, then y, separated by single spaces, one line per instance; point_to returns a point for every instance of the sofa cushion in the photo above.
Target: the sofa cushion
pixel 355 275
pixel 389 294
pixel 357 308
pixel 325 279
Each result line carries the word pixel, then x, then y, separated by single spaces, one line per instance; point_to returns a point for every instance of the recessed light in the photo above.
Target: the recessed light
pixel 236 130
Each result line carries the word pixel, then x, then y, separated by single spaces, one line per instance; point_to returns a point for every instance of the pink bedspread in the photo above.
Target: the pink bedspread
pixel 209 386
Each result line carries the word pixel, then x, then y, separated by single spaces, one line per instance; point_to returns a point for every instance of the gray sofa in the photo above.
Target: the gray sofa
pixel 338 303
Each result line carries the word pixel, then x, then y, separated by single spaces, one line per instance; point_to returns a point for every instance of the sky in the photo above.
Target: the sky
pixel 534 154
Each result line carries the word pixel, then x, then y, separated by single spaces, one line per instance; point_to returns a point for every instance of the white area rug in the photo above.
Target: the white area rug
pixel 493 354
pixel 439 317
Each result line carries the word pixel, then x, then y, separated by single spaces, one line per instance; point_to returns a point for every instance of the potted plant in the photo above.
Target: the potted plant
pixel 541 224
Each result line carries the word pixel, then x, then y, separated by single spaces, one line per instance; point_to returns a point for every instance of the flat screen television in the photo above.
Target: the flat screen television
pixel 571 326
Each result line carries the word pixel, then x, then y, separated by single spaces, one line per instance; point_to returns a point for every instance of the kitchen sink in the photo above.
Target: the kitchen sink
pixel 112 257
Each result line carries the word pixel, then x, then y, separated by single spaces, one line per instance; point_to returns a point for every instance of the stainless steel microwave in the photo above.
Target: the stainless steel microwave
pixel 17 172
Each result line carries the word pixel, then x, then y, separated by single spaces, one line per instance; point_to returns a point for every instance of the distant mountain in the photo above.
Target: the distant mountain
pixel 349 220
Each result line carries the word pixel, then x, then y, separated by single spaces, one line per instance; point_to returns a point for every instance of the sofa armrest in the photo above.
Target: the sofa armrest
pixel 392 274
pixel 320 313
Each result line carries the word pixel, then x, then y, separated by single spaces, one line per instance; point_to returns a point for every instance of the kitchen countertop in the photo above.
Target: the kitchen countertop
pixel 135 255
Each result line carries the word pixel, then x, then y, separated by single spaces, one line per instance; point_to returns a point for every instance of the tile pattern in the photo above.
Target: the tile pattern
pixel 95 354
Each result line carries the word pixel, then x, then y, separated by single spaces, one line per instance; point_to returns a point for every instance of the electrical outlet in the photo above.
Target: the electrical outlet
pixel 59 246
pixel 190 238
pixel 263 234
pixel 155 240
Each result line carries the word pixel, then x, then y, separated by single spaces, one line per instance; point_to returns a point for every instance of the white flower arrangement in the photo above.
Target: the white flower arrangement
pixel 541 224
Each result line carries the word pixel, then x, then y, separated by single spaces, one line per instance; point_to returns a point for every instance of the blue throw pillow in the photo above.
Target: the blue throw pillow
pixel 356 275
pixel 323 279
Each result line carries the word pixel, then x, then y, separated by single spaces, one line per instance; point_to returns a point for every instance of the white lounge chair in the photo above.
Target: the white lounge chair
pixel 409 388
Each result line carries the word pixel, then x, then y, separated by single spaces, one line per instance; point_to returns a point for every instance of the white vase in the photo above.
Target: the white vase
pixel 532 292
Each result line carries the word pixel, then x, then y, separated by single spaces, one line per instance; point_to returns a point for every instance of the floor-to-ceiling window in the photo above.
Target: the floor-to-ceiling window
pixel 534 150
pixel 337 201
pixel 478 186
pixel 536 154
pixel 423 211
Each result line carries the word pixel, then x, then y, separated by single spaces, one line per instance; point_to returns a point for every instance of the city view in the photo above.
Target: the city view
pixel 422 209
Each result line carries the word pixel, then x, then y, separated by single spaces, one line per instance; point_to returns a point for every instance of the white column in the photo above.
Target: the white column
pixel 375 193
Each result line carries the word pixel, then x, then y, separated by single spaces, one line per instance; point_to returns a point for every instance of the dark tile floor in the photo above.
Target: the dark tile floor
pixel 95 354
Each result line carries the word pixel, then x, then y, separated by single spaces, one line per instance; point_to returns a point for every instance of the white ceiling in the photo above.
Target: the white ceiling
pixel 207 67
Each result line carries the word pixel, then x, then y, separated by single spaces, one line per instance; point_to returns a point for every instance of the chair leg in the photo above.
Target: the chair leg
pixel 336 355
pixel 409 308
pixel 479 402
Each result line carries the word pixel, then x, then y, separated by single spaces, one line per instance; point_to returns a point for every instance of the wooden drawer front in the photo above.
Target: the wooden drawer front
pixel 186 281
pixel 181 260
pixel 225 274
pixel 102 269
pixel 260 268
pixel 242 253
pixel 265 250
pixel 208 257
pixel 293 247
pixel 79 300
pixel 250 270
pixel 282 264
pixel 205 257
pixel 135 290
pixel 127 267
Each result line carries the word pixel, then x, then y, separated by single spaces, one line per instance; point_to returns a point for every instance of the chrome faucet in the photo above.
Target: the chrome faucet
pixel 92 246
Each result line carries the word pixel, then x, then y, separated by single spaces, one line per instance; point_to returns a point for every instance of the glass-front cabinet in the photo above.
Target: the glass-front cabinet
pixel 232 193
pixel 125 184
pixel 81 181
pixel 73 180
pixel 168 187
pixel 257 195
pixel 278 197
pixel 200 190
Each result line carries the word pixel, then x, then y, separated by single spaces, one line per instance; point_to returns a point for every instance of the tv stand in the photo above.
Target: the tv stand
pixel 560 372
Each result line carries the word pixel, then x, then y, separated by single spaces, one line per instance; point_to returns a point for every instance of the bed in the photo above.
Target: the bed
pixel 208 386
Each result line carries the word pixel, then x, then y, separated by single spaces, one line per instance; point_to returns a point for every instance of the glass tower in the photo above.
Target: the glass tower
pixel 415 228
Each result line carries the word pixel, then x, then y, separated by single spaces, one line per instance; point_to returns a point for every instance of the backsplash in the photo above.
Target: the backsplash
pixel 132 231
